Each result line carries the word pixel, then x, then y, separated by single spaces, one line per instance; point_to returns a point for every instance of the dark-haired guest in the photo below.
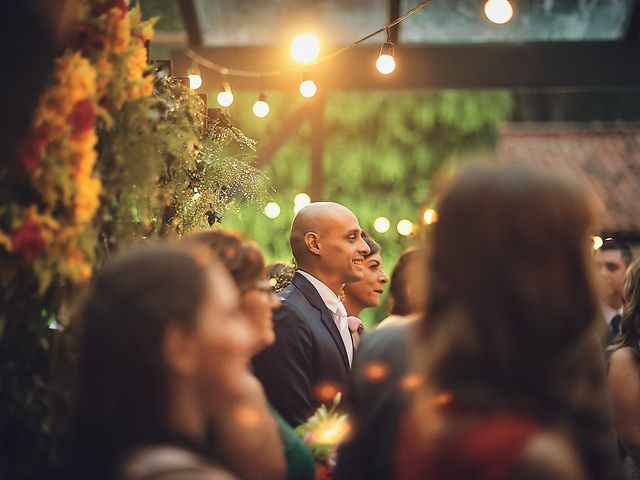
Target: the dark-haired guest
pixel 164 351
pixel 244 261
pixel 514 381
pixel 624 374
pixel 365 293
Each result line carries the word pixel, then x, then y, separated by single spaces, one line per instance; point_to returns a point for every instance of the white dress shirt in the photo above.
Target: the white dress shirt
pixel 337 309
pixel 608 313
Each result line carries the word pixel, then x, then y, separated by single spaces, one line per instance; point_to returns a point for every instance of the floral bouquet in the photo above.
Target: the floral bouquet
pixel 322 433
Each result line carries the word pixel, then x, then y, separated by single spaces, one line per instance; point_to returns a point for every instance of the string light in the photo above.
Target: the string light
pixel 498 11
pixel 305 48
pixel 300 201
pixel 386 63
pixel 381 224
pixel 597 242
pixel 261 107
pixel 193 74
pixel 430 216
pixel 225 96
pixel 308 87
pixel 272 210
pixel 405 227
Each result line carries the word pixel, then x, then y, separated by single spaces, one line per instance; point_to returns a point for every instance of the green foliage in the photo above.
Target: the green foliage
pixel 384 154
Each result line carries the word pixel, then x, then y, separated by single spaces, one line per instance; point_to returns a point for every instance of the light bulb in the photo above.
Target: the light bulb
pixel 430 216
pixel 272 210
pixel 302 200
pixel 195 81
pixel 225 96
pixel 597 242
pixel 305 48
pixel 405 227
pixel 308 88
pixel 386 63
pixel 261 107
pixel 381 224
pixel 498 11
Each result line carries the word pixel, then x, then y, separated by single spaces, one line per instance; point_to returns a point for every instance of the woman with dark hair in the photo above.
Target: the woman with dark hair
pixel 624 373
pixel 406 290
pixel 164 350
pixel 244 261
pixel 514 383
pixel 365 293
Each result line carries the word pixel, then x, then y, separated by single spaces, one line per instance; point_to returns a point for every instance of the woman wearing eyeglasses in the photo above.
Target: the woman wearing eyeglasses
pixel 245 263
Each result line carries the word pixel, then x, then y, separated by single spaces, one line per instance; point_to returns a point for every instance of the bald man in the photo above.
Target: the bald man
pixel 311 358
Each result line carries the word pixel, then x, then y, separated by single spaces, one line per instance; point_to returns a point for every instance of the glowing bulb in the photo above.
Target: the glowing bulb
pixel 308 88
pixel 272 210
pixel 405 227
pixel 195 81
pixel 305 48
pixel 261 107
pixel 302 199
pixel 386 63
pixel 430 216
pixel 225 96
pixel 597 242
pixel 498 11
pixel 381 224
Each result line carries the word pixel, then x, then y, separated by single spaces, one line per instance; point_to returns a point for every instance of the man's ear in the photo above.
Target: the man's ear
pixel 312 241
pixel 180 351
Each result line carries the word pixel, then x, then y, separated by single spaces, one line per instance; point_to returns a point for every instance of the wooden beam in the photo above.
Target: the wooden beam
pixel 633 23
pixel 316 180
pixel 468 66
pixel 394 12
pixel 288 128
pixel 190 18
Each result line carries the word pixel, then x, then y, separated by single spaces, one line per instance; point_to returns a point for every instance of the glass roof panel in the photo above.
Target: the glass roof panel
pixel 273 22
pixel 463 21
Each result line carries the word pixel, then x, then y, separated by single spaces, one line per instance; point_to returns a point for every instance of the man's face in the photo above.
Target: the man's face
pixel 342 247
pixel 611 269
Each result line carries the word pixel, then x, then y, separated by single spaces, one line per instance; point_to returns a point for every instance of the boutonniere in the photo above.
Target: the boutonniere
pixel 355 324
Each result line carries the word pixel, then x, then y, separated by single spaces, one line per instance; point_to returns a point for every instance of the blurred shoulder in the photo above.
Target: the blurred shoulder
pixel 548 455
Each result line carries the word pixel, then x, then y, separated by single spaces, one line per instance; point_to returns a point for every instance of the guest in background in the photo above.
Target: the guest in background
pixel 514 381
pixel 164 350
pixel 244 261
pixel 612 260
pixel 407 288
pixel 624 374
pixel 365 293
pixel 311 359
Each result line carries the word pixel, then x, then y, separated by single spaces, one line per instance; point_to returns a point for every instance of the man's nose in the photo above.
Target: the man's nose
pixel 364 248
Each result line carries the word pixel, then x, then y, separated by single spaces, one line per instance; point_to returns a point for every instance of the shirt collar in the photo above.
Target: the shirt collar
pixel 329 298
pixel 608 313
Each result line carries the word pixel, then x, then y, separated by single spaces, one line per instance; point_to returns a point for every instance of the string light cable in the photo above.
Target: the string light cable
pixel 232 72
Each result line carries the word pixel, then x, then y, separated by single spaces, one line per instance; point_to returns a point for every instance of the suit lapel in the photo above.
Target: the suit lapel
pixel 314 298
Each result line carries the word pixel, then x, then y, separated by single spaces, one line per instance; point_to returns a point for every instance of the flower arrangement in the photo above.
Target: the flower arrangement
pixel 322 433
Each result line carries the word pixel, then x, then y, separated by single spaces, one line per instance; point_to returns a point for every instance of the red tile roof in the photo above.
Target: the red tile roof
pixel 607 154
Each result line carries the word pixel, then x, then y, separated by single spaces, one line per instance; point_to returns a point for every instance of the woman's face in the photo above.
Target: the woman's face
pixel 258 303
pixel 367 292
pixel 224 343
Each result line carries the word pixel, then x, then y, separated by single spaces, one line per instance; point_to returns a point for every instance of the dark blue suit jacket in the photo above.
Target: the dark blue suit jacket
pixel 308 363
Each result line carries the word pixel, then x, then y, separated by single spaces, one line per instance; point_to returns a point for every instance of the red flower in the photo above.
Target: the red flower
pixel 82 118
pixel 88 37
pixel 32 146
pixel 27 240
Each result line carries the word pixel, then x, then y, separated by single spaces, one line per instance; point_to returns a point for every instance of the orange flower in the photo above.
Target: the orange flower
pixel 87 198
pixel 118 31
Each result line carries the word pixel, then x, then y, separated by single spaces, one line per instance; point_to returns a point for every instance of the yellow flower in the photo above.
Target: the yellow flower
pixel 87 198
pixel 118 31
pixel 147 31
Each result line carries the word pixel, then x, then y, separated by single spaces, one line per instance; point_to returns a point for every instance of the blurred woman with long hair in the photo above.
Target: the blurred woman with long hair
pixel 514 383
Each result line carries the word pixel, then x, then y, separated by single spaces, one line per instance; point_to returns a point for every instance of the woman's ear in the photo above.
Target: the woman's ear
pixel 180 351
pixel 311 240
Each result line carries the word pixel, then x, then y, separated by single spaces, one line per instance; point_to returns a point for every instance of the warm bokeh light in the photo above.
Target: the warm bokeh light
pixel 305 48
pixel 261 107
pixel 381 224
pixel 385 64
pixel 597 242
pixel 430 216
pixel 375 371
pixel 248 416
pixel 302 199
pixel 325 392
pixel 405 227
pixel 195 81
pixel 308 88
pixel 272 210
pixel 225 98
pixel 498 11
pixel 410 381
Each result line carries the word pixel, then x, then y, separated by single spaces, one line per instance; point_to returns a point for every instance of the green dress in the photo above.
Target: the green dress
pixel 300 462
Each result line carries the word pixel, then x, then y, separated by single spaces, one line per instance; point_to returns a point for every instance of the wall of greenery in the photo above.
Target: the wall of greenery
pixel 385 153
